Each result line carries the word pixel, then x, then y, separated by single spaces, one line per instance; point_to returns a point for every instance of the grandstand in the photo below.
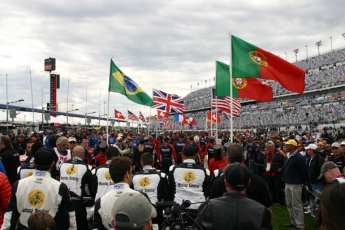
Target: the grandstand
pixel 321 103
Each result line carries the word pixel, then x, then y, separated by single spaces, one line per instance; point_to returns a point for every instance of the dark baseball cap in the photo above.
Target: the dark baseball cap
pixel 44 156
pixel 237 175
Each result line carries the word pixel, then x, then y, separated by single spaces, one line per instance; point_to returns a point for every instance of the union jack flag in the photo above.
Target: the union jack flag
pixel 141 117
pixel 168 102
pixel 132 116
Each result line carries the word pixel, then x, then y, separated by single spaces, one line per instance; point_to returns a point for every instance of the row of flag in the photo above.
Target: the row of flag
pixel 249 63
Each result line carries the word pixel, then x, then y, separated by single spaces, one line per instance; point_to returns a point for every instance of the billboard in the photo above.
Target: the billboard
pixel 49 64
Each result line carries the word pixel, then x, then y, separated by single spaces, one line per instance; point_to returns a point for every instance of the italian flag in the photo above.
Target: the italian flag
pixel 250 88
pixel 250 61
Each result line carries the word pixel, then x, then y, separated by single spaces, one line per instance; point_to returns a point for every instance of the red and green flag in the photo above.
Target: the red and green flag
pixel 250 61
pixel 250 88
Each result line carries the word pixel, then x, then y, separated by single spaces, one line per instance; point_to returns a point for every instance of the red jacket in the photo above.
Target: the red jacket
pixel 5 193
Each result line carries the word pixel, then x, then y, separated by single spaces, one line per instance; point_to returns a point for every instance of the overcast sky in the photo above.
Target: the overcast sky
pixel 168 45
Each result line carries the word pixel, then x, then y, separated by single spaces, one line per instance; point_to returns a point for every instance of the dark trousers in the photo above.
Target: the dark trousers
pixel 80 213
pixel 166 163
pixel 275 186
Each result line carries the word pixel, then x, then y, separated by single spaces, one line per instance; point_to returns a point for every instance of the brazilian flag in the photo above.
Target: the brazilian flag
pixel 120 83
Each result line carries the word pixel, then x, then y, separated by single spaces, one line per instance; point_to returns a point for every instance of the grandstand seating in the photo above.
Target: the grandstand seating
pixel 322 73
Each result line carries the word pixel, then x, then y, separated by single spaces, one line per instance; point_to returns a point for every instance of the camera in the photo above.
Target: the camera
pixel 175 215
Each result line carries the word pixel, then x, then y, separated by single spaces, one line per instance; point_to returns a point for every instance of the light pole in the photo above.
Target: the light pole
pixel 318 44
pixel 296 52
pixel 331 43
pixel 285 56
pixel 306 51
pixel 7 103
pixel 87 114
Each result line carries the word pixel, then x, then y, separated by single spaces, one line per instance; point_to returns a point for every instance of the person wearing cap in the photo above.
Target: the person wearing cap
pixel 10 158
pixel 188 180
pixel 76 174
pixel 123 151
pixel 342 144
pixel 338 157
pixel 120 172
pixel 335 152
pixel 314 165
pixel 217 159
pixel 234 210
pixel 295 174
pixel 331 173
pixel 28 168
pixel 166 154
pixel 274 164
pixel 101 158
pixel 62 154
pixel 72 142
pixel 101 181
pixel 133 211
pixel 257 189
pixel 40 192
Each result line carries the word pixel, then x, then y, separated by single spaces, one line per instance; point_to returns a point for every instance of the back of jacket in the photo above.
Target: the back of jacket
pixel 233 211
pixel 10 159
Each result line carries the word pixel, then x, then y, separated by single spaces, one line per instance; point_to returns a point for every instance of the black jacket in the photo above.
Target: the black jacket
pixel 314 168
pixel 233 211
pixel 10 159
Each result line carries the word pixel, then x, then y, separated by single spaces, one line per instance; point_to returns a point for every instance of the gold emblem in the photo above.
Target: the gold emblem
pixel 107 175
pixel 239 83
pixel 189 177
pixel 145 182
pixel 36 198
pixel 258 58
pixel 71 170
pixel 29 174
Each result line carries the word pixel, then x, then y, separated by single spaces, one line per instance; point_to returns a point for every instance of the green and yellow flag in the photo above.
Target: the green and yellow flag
pixel 121 83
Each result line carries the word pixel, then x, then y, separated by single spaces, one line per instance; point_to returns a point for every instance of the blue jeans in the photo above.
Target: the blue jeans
pixel 316 189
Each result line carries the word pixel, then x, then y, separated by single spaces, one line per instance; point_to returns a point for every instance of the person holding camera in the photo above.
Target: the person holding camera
pixel 274 169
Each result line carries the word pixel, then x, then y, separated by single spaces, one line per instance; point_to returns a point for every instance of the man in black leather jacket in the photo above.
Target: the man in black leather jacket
pixel 234 210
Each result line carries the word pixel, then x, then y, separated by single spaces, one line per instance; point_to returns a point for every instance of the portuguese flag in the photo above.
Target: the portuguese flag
pixel 249 61
pixel 250 88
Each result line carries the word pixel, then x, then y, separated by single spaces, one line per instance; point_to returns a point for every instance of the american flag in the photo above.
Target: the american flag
pixel 168 102
pixel 222 103
pixel 141 117
pixel 132 116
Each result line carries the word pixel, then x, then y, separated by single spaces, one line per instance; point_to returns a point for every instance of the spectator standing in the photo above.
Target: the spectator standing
pixel 314 165
pixel 10 158
pixel 274 169
pixel 295 175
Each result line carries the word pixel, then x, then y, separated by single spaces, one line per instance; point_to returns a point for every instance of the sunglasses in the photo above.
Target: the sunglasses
pixel 84 142
pixel 334 148
pixel 72 142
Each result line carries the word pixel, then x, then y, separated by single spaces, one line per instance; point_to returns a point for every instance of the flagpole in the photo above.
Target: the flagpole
pixel 211 111
pixel 216 106
pixel 231 102
pixel 108 117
